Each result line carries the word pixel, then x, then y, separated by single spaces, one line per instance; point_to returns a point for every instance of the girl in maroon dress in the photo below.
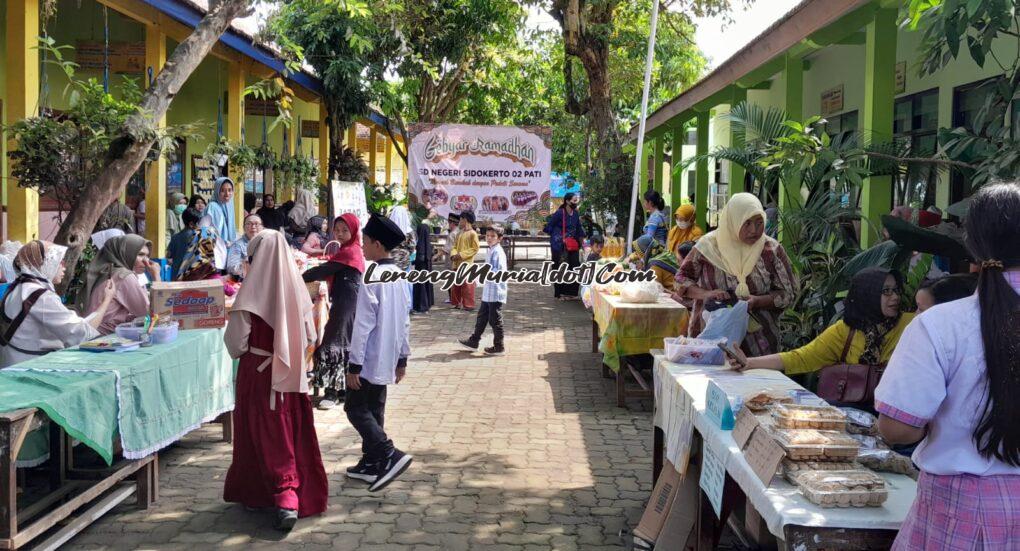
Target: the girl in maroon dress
pixel 276 461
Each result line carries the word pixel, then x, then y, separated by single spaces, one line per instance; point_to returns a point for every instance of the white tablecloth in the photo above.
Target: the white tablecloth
pixel 780 504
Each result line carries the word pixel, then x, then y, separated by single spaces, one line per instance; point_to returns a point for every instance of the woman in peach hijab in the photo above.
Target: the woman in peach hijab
pixel 276 461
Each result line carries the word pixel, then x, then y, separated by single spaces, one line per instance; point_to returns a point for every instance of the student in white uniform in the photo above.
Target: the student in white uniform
pixel 378 357
pixel 45 323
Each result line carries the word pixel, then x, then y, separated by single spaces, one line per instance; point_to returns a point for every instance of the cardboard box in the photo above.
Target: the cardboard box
pixel 194 304
pixel 658 506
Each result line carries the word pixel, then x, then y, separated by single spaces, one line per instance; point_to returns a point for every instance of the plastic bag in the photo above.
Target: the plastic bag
pixel 726 323
pixel 685 350
pixel 640 292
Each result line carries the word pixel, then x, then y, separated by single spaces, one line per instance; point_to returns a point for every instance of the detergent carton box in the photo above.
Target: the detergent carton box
pixel 195 304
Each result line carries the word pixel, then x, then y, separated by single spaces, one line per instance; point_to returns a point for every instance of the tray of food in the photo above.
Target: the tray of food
pixel 851 488
pixel 762 400
pixel 792 469
pixel 817 445
pixel 800 416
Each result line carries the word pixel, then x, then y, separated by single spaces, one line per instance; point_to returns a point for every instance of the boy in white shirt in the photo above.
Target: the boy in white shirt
pixel 493 297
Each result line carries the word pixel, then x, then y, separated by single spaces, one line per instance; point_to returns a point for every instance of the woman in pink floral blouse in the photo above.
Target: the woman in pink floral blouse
pixel 738 260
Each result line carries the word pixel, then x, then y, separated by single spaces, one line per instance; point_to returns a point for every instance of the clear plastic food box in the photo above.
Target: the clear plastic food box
pixel 799 416
pixel 854 488
pixel 817 445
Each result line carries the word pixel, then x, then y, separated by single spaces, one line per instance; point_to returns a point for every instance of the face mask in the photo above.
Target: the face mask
pixel 179 209
pixel 683 225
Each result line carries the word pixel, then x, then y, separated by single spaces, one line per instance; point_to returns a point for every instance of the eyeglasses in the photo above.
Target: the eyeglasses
pixel 890 291
pixel 253 224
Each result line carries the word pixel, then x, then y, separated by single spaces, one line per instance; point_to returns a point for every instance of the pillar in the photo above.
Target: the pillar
pixel 155 173
pixel 324 145
pixel 877 114
pixel 677 191
pixel 389 161
pixel 701 172
pixel 658 151
pixel 736 183
pixel 22 99
pixel 235 121
pixel 790 196
pixel 373 145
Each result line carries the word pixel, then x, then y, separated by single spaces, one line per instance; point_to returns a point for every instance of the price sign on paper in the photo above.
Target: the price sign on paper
pixel 713 475
pixel 717 406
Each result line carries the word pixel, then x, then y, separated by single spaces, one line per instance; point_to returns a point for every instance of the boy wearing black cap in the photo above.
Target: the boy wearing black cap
pixel 464 251
pixel 378 357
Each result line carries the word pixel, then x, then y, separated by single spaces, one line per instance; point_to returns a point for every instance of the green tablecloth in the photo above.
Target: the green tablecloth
pixel 149 397
pixel 628 329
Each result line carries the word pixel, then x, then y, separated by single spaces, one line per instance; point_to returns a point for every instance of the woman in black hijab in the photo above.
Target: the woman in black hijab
pixel 423 296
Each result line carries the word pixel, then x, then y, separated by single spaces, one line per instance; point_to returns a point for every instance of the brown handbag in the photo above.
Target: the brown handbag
pixel 849 384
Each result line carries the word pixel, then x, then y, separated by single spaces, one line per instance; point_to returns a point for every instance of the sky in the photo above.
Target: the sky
pixel 717 38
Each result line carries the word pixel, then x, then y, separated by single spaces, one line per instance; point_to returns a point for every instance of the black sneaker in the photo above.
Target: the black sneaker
pixel 468 343
pixel 285 519
pixel 363 471
pixel 495 351
pixel 390 469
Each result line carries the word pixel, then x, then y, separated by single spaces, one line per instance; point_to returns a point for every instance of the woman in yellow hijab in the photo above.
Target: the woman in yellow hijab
pixel 738 261
pixel 684 229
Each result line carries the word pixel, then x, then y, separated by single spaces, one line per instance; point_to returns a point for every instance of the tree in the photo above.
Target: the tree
pixel 138 133
pixel 592 30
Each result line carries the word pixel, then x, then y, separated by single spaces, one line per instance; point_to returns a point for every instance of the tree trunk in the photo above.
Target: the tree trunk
pixel 129 150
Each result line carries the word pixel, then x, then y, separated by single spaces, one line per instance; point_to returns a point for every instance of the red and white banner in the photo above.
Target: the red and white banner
pixel 501 173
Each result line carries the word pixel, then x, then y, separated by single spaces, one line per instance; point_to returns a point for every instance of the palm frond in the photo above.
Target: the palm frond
pixel 759 125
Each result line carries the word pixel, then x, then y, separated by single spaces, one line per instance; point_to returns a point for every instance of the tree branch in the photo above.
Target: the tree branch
pixel 920 160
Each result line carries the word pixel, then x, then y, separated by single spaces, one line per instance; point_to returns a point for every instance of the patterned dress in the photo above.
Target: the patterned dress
pixel 772 275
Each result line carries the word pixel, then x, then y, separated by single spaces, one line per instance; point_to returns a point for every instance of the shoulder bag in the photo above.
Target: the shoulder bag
pixel 569 243
pixel 849 384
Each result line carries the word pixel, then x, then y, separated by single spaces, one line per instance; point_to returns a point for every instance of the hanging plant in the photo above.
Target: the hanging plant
pixel 242 156
pixel 265 157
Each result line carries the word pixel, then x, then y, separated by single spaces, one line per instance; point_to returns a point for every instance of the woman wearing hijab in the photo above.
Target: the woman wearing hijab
pixel 8 252
pixel 565 224
pixel 221 212
pixel 343 272
pixel 422 294
pixel 738 261
pixel 121 260
pixel 316 239
pixel 872 323
pixel 176 206
pixel 303 210
pixel 48 325
pixel 198 203
pixel 273 218
pixel 276 460
pixel 665 264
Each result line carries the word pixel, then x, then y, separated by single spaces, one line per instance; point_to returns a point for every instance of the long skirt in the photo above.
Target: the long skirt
pixel 573 260
pixel 963 512
pixel 276 460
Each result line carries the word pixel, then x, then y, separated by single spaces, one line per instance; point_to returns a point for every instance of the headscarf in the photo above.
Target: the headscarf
pixel 351 252
pixel 40 260
pixel 288 309
pixel 401 218
pixel 200 260
pixel 223 213
pixel 173 199
pixel 173 220
pixel 863 311
pixel 315 226
pixel 678 235
pixel 304 208
pixel 723 247
pixel 8 252
pixel 117 257
pixel 193 202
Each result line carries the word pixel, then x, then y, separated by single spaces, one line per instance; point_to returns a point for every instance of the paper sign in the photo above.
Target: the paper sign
pixel 713 476
pixel 349 197
pixel 718 408
pixel 832 100
pixel 743 427
pixel 764 455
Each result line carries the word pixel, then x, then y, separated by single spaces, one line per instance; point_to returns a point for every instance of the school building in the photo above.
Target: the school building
pixel 118 39
pixel 846 60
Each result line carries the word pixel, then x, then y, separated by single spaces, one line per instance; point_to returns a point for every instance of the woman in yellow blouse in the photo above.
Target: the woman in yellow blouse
pixel 872 320
pixel 464 251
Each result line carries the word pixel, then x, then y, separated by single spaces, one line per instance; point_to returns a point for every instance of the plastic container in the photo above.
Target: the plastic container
pixel 854 488
pixel 162 334
pixel 793 469
pixel 817 445
pixel 799 416
pixel 684 350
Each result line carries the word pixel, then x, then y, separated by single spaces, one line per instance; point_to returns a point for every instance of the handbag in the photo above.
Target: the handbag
pixel 569 243
pixel 847 384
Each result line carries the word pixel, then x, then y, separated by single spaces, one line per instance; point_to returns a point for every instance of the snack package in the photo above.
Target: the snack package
pixel 799 416
pixel 888 461
pixel 817 445
pixel 851 488
pixel 761 400
pixel 860 421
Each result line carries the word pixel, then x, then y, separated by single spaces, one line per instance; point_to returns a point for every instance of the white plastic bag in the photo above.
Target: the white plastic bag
pixel 640 292
pixel 726 323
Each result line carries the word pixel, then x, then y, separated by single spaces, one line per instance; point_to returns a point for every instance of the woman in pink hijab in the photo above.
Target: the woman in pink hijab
pixel 276 461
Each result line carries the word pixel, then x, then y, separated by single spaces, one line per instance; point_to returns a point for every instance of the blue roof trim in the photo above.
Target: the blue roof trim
pixel 190 16
pixel 378 119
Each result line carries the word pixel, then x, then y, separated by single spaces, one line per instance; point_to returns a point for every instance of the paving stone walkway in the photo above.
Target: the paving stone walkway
pixel 524 451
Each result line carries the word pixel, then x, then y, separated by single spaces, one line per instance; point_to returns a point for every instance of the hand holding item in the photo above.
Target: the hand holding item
pixel 109 291
pixel 735 357
pixel 718 294
pixel 153 268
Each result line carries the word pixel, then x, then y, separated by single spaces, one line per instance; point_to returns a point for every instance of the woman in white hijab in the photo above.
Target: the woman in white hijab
pixel 738 261
pixel 47 324
pixel 276 460
pixel 305 208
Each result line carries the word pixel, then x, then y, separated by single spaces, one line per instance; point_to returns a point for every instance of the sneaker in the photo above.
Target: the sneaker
pixel 363 471
pixel 326 404
pixel 495 350
pixel 468 343
pixel 285 519
pixel 392 467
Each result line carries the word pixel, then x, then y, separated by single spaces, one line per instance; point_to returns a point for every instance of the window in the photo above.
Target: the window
pixel 915 128
pixel 842 126
pixel 967 103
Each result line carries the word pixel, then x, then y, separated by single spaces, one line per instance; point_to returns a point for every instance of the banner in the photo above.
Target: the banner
pixel 499 172
pixel 349 197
